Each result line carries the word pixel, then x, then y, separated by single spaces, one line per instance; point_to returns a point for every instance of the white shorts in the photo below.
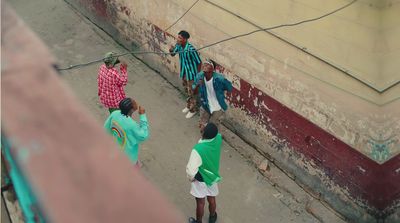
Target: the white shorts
pixel 201 190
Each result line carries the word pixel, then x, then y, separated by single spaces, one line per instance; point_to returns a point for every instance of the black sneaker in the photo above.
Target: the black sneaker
pixel 192 220
pixel 213 219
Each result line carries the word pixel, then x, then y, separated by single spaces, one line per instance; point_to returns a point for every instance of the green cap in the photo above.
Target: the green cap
pixel 110 58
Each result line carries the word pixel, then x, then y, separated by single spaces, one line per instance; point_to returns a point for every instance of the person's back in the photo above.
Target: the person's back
pixel 126 131
pixel 203 171
pixel 210 153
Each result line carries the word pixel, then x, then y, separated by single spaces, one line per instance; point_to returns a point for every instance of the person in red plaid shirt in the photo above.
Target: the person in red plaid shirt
pixel 111 82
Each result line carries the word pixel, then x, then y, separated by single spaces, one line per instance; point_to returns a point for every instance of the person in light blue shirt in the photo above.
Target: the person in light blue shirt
pixel 126 131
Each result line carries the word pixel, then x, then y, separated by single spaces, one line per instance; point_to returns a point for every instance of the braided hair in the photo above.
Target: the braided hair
pixel 126 105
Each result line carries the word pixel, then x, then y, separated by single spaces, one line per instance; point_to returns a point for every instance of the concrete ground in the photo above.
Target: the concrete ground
pixel 246 195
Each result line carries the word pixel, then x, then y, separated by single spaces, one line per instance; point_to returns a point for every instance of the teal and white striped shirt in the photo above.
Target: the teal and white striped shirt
pixel 189 60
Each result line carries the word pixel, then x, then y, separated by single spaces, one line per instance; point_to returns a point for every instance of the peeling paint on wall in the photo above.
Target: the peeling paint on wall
pixel 321 128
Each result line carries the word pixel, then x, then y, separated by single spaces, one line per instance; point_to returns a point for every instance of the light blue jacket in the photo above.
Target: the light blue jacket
pixel 127 132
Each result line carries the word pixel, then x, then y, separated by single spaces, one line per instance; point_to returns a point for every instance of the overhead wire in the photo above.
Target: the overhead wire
pixel 132 52
pixel 182 15
pixel 279 26
pixel 220 41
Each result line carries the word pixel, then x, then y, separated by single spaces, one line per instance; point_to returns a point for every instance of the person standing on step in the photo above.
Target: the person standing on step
pixel 203 172
pixel 111 81
pixel 190 65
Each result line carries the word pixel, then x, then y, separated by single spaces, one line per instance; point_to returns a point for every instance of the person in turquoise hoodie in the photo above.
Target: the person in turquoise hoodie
pixel 126 131
pixel 203 171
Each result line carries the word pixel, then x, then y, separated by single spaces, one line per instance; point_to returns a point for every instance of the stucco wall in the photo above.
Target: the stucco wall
pixel 389 43
pixel 294 97
pixel 319 92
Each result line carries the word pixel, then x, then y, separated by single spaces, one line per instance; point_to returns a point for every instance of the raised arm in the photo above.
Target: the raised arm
pixel 121 77
pixel 173 50
pixel 141 130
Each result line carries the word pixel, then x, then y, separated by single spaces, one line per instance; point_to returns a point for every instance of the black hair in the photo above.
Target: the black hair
pixel 212 62
pixel 184 34
pixel 125 105
pixel 210 131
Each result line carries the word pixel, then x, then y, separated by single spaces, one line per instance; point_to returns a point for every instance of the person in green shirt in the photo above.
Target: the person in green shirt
pixel 203 171
pixel 126 131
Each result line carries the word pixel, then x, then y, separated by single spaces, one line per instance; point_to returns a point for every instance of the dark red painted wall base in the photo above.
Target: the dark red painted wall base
pixel 378 185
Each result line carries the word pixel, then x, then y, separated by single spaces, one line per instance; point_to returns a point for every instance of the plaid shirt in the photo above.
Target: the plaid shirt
pixel 111 84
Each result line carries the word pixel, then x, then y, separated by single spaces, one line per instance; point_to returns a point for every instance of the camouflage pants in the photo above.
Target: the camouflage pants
pixel 191 101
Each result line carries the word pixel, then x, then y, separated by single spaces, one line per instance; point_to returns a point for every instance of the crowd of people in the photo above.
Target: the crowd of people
pixel 205 89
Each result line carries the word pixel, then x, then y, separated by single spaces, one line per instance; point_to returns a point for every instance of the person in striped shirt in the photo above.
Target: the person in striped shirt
pixel 190 64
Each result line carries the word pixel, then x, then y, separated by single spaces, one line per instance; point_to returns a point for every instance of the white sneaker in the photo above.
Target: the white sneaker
pixel 185 110
pixel 190 114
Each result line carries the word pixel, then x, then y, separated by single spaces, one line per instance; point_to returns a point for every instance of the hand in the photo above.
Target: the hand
pixel 200 82
pixel 141 110
pixel 196 90
pixel 124 64
pixel 171 49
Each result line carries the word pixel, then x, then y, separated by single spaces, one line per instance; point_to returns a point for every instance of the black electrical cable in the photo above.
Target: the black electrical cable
pixel 182 15
pixel 221 41
pixel 100 60
pixel 279 26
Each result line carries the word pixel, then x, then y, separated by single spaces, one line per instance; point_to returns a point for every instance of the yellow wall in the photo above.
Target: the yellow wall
pixel 389 43
pixel 344 39
pixel 353 40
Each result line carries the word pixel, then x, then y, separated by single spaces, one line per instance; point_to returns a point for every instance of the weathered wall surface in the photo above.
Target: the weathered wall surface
pixel 328 38
pixel 388 44
pixel 307 96
pixel 331 99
